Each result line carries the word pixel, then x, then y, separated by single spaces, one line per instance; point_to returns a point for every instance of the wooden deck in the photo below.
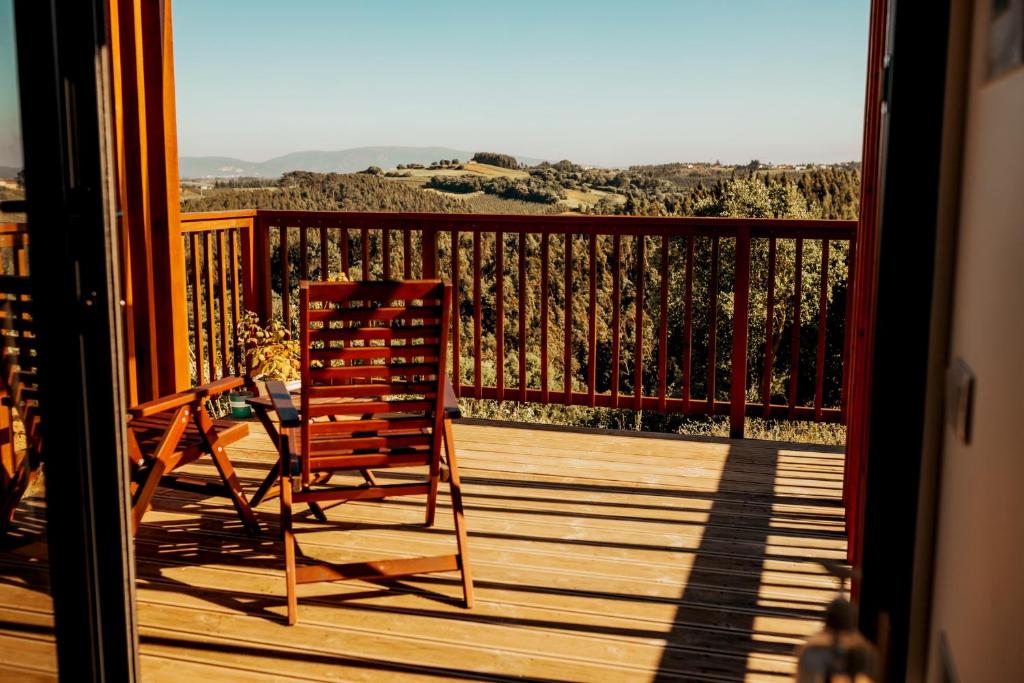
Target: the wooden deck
pixel 597 557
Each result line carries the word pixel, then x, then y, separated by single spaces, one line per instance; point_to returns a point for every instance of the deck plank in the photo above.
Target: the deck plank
pixel 597 556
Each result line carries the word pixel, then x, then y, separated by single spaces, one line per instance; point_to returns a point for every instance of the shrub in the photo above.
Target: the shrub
pixel 495 159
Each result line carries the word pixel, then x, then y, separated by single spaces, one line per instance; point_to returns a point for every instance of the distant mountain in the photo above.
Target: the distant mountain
pixel 341 161
pixel 9 171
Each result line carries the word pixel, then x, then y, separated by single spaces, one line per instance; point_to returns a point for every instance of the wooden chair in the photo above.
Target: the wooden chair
pixel 373 379
pixel 173 431
pixel 18 394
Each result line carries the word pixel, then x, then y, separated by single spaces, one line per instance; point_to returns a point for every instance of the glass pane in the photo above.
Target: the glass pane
pixel 26 610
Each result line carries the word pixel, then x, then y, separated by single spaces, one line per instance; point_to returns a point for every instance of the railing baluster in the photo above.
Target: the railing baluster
pixel 197 320
pixel 794 365
pixel 210 320
pixel 456 317
pixel 545 254
pixel 407 260
pixel 365 245
pixel 616 316
pixel 688 325
pixel 325 264
pixel 477 361
pixel 286 287
pixel 261 278
pixel 663 327
pixel 713 326
pixel 592 323
pixel 303 252
pixel 222 290
pixel 740 319
pixel 249 266
pixel 428 251
pixel 819 383
pixel 385 249
pixel 638 334
pixel 235 301
pixel 567 349
pixel 847 329
pixel 499 316
pixel 769 332
pixel 343 243
pixel 523 297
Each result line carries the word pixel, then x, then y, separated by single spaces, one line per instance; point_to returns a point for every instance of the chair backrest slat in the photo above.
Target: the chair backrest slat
pixel 373 360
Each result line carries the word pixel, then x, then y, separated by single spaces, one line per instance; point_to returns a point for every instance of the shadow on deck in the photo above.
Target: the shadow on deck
pixel 597 556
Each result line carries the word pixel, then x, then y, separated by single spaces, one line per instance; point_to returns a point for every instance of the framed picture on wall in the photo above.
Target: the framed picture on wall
pixel 1005 36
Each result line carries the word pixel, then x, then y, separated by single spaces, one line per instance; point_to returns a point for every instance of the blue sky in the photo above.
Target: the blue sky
pixel 591 80
pixel 595 81
pixel 10 130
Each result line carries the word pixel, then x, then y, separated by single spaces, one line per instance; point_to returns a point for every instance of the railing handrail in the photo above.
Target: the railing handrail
pixel 193 216
pixel 682 226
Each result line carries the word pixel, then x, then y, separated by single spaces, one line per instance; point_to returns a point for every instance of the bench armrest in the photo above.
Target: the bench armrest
pixel 203 393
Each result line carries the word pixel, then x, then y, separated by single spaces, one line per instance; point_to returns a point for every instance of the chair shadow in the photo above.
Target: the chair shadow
pixel 217 537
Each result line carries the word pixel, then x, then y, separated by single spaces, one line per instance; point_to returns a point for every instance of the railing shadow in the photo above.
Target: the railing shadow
pixel 747 637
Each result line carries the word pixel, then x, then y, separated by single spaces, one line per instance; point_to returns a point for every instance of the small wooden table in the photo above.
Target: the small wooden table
pixel 263 407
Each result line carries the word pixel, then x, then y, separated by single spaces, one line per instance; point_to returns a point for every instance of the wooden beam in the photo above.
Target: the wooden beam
pixel 153 255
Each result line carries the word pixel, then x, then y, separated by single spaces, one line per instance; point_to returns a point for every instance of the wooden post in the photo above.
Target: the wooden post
pixel 247 262
pixel 152 246
pixel 741 305
pixel 168 247
pixel 260 274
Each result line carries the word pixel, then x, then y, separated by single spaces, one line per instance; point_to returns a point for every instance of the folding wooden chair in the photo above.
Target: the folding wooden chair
pixel 373 378
pixel 18 390
pixel 173 431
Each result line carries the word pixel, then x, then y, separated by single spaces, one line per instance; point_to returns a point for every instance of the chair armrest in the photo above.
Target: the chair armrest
pixel 451 403
pixel 205 392
pixel 283 405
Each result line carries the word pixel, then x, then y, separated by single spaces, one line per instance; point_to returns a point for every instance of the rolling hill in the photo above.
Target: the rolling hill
pixel 340 161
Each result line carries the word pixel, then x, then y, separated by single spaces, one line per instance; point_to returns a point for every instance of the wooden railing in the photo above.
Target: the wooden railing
pixel 218 265
pixel 18 358
pixel 14 249
pixel 552 316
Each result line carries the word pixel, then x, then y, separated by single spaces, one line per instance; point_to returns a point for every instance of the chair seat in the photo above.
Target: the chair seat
pixel 150 430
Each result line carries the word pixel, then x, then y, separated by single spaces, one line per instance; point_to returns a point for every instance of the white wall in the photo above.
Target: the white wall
pixel 979 564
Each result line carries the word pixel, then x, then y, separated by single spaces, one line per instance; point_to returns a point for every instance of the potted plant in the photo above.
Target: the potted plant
pixel 270 352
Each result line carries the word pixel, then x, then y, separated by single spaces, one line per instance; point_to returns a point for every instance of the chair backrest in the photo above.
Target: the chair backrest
pixel 374 359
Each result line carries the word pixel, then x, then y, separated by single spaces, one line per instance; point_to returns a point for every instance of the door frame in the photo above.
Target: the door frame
pixel 899 402
pixel 70 172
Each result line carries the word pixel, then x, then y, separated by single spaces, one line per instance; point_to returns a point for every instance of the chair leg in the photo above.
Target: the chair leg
pixel 368 477
pixel 265 488
pixel 145 491
pixel 434 478
pixel 14 489
pixel 317 511
pixel 288 537
pixel 226 470
pixel 455 486
pixel 163 460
